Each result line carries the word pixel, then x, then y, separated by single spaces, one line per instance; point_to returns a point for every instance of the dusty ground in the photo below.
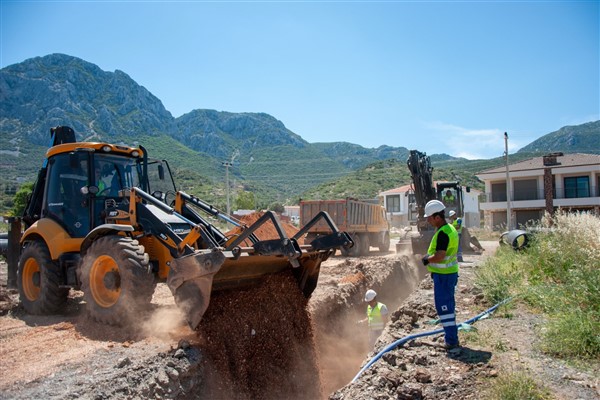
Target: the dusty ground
pixel 69 356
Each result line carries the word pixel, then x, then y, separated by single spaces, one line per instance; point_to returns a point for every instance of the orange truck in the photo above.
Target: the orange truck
pixel 364 221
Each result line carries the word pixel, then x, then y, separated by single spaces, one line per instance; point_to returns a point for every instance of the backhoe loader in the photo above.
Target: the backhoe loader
pixel 425 189
pixel 107 220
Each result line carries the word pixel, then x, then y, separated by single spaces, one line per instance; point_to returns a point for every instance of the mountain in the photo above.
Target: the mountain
pixel 583 138
pixel 266 158
pixel 58 89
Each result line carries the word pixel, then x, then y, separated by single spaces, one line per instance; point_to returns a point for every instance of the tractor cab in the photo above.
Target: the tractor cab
pixel 83 179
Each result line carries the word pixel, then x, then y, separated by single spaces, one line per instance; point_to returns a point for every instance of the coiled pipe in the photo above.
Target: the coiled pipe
pixel 418 335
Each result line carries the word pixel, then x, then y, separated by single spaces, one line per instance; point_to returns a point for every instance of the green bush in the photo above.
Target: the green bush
pixel 502 276
pixel 559 274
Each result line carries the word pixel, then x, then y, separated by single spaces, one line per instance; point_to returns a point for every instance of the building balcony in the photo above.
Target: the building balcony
pixel 536 199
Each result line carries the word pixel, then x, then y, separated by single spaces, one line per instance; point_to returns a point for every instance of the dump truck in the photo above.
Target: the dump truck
pixel 108 220
pixel 364 221
pixel 424 188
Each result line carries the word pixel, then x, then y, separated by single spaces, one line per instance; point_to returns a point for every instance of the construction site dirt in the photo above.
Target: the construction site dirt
pixel 269 342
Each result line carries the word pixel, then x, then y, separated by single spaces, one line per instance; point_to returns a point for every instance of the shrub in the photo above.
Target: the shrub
pixel 558 274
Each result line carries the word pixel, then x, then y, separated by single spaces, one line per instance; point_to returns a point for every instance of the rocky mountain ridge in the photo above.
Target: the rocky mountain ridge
pixel 59 89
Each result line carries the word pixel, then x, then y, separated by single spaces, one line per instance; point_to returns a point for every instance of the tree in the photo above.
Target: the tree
pixel 245 201
pixel 20 200
pixel 277 207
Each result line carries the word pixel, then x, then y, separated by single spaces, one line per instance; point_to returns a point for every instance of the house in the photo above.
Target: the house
pixel 568 181
pixel 401 211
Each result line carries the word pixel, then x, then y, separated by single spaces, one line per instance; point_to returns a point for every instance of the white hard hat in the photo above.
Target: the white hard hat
pixel 452 213
pixel 433 206
pixel 370 295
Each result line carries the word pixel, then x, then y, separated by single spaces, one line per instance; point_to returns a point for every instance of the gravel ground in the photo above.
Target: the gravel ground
pixel 273 345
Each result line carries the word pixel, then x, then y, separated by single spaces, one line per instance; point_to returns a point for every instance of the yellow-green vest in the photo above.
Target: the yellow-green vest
pixel 375 320
pixel 455 225
pixel 449 265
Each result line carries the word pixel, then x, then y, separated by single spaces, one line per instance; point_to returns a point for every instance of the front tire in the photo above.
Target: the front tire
pixel 115 279
pixel 39 281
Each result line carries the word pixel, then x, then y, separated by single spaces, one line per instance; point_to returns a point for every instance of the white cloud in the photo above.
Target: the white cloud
pixel 471 143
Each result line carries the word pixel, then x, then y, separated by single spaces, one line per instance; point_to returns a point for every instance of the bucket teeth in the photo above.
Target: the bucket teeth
pixel 190 281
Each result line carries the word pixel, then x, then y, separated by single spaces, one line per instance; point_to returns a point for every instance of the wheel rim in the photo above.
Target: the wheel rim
pixel 105 281
pixel 31 279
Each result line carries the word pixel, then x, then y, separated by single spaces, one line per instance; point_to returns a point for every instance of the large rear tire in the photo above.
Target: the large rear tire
pixel 365 244
pixel 385 245
pixel 355 251
pixel 39 281
pixel 115 279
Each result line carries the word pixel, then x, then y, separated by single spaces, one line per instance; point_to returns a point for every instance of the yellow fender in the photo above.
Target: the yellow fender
pixel 54 235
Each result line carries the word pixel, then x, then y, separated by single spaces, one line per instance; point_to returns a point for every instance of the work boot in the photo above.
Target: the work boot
pixel 452 349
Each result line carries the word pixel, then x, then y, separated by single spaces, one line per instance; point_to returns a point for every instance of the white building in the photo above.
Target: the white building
pixel 570 181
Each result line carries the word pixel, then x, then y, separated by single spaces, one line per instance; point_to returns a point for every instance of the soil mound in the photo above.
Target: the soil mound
pixel 266 231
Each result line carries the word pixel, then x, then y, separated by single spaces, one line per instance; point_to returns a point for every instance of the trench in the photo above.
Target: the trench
pixel 342 344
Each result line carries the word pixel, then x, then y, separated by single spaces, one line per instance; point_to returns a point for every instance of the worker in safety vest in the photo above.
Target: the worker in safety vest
pixel 377 316
pixel 442 264
pixel 457 224
pixel 448 198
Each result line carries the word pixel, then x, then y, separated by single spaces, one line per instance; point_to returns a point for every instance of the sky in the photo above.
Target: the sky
pixel 437 76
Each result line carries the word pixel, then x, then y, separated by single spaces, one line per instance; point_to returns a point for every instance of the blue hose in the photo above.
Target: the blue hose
pixel 418 335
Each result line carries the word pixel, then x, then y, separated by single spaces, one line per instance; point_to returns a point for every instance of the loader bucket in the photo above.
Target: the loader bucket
pixel 194 277
pixel 190 281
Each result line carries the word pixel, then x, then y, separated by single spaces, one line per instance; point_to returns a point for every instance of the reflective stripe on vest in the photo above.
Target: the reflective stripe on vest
pixel 449 265
pixel 375 320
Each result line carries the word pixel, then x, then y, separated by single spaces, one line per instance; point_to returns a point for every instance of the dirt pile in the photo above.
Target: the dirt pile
pixel 265 231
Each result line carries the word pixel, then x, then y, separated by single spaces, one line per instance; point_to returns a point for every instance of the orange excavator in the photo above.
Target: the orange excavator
pixel 108 220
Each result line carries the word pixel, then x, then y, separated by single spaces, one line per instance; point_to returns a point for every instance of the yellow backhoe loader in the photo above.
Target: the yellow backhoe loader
pixel 107 220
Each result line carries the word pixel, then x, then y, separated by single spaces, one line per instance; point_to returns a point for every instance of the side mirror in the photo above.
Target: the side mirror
pixel 161 172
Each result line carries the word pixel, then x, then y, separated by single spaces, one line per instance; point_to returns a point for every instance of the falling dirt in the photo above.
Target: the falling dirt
pixel 260 343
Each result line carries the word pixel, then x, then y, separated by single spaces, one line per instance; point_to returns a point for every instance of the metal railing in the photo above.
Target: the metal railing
pixel 538 194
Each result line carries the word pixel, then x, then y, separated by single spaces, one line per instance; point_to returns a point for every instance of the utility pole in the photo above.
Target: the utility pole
pixel 227 164
pixel 508 218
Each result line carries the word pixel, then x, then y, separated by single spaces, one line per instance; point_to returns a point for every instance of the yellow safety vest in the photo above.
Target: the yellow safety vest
pixel 375 320
pixel 449 265
pixel 455 225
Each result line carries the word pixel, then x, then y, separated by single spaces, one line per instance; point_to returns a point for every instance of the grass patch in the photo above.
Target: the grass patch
pixel 559 274
pixel 516 386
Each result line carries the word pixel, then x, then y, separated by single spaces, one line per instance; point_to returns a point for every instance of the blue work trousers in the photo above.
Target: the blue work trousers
pixel 443 293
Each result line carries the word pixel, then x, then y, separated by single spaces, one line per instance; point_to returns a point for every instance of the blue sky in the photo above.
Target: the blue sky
pixel 437 76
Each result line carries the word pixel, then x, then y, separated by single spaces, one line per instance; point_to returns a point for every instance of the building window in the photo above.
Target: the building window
pixel 526 189
pixel 577 186
pixel 499 191
pixel 393 203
